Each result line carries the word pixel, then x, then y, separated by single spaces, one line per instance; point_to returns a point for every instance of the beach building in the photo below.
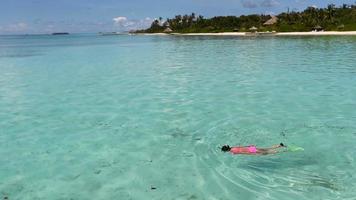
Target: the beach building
pixel 168 30
pixel 271 21
pixel 318 28
pixel 253 29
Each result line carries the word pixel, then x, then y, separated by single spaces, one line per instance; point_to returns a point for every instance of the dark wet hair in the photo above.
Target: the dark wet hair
pixel 225 148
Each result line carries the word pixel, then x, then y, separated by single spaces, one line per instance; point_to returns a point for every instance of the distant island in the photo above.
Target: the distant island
pixel 331 18
pixel 60 33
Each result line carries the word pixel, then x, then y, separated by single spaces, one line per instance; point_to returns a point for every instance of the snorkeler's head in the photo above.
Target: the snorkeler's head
pixel 225 148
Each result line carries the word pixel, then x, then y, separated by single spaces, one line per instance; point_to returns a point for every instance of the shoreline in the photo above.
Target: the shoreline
pixel 257 34
pixel 321 33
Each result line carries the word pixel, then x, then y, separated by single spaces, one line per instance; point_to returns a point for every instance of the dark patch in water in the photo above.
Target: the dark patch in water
pixel 191 197
pixel 105 164
pixel 324 126
pixel 312 127
pixel 146 161
pixel 283 133
pixel 188 196
pixel 186 154
pixel 322 182
pixel 335 127
pixel 103 124
pixel 24 55
pixel 316 181
pixel 77 176
pixel 177 133
pixel 263 165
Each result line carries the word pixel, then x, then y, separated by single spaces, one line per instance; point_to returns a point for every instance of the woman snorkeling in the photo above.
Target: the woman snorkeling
pixel 252 150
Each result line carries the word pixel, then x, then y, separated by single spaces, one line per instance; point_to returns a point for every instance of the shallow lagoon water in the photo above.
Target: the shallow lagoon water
pixel 142 117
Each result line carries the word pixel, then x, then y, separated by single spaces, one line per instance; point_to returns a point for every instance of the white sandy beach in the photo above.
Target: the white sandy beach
pixel 213 34
pixel 317 33
pixel 322 33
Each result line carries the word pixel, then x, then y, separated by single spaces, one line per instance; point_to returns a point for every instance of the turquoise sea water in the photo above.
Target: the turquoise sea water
pixel 142 117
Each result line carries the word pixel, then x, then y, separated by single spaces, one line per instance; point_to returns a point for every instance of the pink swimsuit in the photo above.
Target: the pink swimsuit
pixel 244 150
pixel 252 149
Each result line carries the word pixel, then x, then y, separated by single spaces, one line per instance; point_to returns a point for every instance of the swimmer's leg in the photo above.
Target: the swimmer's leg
pixel 266 151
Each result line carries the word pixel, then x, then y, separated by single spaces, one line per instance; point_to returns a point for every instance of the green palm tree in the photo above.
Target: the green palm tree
pixel 331 11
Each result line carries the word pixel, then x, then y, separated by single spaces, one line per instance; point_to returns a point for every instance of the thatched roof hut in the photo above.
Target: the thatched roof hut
pixel 271 21
pixel 253 29
pixel 168 30
pixel 318 28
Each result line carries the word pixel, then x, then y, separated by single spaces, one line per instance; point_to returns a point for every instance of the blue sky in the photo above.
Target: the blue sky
pixel 46 16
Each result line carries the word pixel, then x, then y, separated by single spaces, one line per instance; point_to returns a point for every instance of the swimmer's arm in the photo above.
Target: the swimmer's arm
pixel 276 146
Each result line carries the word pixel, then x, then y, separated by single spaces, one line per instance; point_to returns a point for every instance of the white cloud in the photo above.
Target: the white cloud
pixel 314 6
pixel 269 3
pixel 125 24
pixel 249 4
pixel 270 13
pixel 259 3
pixel 49 28
pixel 14 28
pixel 129 23
pixel 21 26
pixel 120 20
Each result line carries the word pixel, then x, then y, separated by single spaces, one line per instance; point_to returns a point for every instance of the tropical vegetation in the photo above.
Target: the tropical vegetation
pixel 331 18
